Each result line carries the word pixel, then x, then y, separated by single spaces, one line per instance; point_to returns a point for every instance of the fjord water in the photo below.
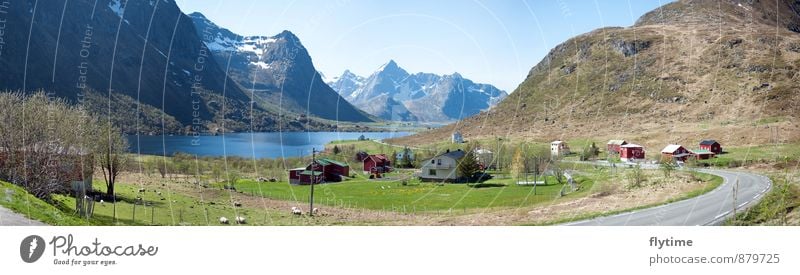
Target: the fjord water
pixel 248 145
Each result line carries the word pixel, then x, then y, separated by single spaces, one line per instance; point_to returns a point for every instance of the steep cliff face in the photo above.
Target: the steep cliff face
pixel 146 50
pixel 685 70
pixel 277 71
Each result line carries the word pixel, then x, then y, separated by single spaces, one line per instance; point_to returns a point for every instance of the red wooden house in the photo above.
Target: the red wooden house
pixel 377 164
pixel 321 171
pixel 631 152
pixel 332 171
pixel 613 146
pixel 675 152
pixel 711 145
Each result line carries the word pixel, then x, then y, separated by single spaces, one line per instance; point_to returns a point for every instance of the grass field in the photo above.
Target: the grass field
pixel 415 196
pixel 175 208
pixel 737 156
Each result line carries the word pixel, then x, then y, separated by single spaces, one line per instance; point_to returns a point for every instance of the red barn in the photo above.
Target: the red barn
pixel 631 152
pixel 321 171
pixel 377 163
pixel 711 145
pixel 676 152
pixel 307 176
pixel 613 146
pixel 332 171
pixel 294 175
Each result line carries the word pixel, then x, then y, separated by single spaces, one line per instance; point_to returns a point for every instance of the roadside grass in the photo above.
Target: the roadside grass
pixel 415 196
pixel 775 208
pixel 711 183
pixel 20 201
pixel 738 156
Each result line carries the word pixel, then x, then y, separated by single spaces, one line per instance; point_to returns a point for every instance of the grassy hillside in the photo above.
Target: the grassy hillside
pixel 686 71
pixel 18 200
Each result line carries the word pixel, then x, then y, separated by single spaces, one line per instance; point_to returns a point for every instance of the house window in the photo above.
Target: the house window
pixel 432 172
pixel 439 161
pixel 433 161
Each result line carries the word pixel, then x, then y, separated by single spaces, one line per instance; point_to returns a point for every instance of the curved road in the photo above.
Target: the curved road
pixel 711 208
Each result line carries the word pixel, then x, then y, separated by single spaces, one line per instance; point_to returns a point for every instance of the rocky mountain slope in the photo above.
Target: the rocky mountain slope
pixel 141 56
pixel 277 71
pixel 392 93
pixel 688 70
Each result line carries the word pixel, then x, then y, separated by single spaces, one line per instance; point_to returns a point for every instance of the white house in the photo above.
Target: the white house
pixel 559 148
pixel 457 138
pixel 443 167
pixel 400 155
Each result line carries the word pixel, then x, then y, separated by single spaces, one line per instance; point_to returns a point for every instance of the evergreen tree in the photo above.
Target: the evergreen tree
pixel 468 165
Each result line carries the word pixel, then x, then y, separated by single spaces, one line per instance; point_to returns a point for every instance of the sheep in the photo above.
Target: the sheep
pixel 315 211
pixel 223 220
pixel 241 220
pixel 297 211
pixel 141 190
pixel 101 202
pixel 237 204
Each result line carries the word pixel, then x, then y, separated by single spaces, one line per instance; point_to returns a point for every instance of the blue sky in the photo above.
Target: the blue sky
pixel 488 41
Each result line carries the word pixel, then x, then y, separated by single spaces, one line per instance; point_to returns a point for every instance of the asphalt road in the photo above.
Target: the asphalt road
pixel 8 218
pixel 711 208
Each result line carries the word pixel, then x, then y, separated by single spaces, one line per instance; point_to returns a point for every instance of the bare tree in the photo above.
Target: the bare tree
pixel 111 155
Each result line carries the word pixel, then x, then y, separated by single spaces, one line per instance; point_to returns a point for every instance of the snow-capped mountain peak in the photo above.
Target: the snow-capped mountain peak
pixel 392 93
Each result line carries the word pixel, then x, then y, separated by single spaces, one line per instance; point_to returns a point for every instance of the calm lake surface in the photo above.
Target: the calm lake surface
pixel 248 145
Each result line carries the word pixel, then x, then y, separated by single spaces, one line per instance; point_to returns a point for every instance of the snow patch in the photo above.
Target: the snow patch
pixel 117 7
pixel 261 64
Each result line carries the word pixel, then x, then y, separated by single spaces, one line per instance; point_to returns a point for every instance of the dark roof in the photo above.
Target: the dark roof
pixel 458 154
pixel 708 142
pixel 380 158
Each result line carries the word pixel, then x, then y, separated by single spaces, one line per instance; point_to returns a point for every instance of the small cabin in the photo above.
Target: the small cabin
pixel 613 146
pixel 711 146
pixel 559 148
pixel 675 152
pixel 377 164
pixel 631 152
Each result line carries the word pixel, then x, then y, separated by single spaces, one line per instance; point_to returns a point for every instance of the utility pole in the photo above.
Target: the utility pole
pixel 313 178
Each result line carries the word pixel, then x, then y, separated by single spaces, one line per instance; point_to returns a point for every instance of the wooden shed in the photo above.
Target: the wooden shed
pixel 613 146
pixel 711 145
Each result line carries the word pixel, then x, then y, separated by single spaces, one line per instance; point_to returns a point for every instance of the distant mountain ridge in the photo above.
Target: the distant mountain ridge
pixel 392 93
pixel 277 71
